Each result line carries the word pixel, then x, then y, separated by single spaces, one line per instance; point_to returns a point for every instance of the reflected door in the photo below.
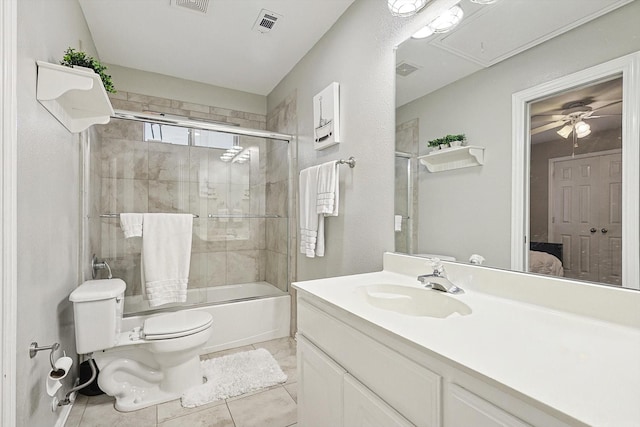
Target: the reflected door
pixel 586 216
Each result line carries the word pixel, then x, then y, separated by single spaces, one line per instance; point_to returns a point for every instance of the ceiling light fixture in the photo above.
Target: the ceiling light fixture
pixel 447 21
pixel 582 129
pixel 484 1
pixel 405 8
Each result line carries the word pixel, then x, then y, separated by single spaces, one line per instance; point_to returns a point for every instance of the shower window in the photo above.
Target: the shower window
pixel 236 185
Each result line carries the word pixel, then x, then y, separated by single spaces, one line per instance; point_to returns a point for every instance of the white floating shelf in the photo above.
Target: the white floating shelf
pixel 76 97
pixel 453 158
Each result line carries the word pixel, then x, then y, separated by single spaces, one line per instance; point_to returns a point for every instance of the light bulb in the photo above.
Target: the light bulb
pixel 405 8
pixel 422 33
pixel 448 20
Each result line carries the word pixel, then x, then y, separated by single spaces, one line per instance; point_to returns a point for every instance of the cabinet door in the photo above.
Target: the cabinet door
pixel 320 393
pixel 465 409
pixel 362 408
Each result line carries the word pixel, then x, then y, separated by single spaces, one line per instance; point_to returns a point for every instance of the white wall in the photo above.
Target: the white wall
pixel 154 84
pixel 468 211
pixel 357 52
pixel 48 205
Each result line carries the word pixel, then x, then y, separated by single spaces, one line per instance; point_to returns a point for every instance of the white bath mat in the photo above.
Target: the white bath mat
pixel 233 375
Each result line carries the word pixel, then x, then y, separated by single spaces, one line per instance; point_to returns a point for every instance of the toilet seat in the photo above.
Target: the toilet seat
pixel 176 325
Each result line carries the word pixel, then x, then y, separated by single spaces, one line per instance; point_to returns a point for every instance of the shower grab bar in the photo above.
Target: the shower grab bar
pixel 117 215
pixel 351 161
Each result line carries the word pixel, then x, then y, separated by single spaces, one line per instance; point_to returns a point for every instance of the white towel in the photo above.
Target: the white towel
pixel 131 224
pixel 166 255
pixel 308 215
pixel 328 189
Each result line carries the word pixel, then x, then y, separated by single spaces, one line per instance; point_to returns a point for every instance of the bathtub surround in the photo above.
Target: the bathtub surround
pixel 137 176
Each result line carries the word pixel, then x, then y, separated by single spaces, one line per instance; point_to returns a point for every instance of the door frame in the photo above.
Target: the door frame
pixel 629 68
pixel 8 190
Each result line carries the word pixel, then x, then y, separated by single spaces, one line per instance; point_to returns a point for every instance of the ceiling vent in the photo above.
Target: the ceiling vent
pixel 195 5
pixel 404 69
pixel 266 21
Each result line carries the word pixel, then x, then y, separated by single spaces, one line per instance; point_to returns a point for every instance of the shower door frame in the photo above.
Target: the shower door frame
pixel 167 119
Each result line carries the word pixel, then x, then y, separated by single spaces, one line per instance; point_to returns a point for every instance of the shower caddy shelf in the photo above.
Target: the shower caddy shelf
pixel 76 97
pixel 453 158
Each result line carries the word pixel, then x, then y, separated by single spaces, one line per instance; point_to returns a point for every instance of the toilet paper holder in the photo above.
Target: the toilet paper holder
pixel 34 349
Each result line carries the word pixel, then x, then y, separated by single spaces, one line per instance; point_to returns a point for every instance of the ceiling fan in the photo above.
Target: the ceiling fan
pixel 572 119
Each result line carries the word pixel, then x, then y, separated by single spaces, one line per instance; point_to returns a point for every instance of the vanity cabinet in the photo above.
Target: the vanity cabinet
pixel 354 375
pixel 467 409
pixel 329 396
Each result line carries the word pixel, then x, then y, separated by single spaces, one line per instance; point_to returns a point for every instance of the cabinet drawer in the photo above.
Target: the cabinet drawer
pixel 411 389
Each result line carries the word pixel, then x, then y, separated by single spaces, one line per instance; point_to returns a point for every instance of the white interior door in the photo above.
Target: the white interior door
pixel 586 215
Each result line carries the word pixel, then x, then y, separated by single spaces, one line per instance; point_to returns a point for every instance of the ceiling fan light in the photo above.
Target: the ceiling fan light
pixel 565 131
pixel 582 127
pixel 422 33
pixel 405 8
pixel 448 20
pixel 583 133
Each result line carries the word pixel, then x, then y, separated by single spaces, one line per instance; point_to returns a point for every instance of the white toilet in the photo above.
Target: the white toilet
pixel 150 364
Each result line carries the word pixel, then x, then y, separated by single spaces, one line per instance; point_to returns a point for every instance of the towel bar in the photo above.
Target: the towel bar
pixel 117 215
pixel 351 161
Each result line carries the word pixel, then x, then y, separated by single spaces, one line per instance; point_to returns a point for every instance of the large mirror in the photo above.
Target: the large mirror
pixel 543 185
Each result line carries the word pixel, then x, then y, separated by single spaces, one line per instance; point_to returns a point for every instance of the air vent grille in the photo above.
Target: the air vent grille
pixel 196 5
pixel 266 21
pixel 404 69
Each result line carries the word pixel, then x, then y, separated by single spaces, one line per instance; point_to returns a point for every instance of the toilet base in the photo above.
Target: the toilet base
pixel 136 385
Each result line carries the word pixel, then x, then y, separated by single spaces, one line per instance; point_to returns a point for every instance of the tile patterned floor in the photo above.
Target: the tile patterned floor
pixel 272 407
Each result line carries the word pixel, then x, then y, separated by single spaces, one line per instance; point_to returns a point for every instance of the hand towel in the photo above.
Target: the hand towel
pixel 131 224
pixel 166 256
pixel 308 213
pixel 328 188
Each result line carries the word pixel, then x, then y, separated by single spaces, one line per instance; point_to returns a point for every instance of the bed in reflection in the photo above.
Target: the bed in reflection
pixel 546 258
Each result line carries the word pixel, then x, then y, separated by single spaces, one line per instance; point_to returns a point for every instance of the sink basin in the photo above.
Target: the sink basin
pixel 413 301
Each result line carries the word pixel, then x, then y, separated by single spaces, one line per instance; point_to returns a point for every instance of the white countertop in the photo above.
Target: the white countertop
pixel 586 368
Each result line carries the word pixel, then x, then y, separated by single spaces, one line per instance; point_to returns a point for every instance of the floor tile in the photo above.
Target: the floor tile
pixel 174 409
pixel 272 408
pixel 100 412
pixel 217 416
pixel 77 410
pixel 292 389
pixel 284 351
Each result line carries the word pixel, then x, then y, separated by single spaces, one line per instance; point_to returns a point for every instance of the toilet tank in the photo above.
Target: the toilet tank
pixel 97 312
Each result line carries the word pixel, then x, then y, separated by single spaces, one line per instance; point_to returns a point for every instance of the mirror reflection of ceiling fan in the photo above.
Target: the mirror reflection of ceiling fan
pixel 571 119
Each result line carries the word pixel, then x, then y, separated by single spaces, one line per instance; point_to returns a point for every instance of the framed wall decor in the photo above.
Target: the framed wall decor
pixel 326 117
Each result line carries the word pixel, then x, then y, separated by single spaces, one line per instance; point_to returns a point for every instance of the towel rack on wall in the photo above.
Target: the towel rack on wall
pixel 351 161
pixel 117 215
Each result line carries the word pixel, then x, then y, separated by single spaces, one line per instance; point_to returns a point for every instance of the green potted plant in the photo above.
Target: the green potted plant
pixel 73 57
pixel 447 141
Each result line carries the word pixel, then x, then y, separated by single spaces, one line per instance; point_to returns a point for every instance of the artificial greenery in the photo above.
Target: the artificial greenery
pixel 73 57
pixel 445 140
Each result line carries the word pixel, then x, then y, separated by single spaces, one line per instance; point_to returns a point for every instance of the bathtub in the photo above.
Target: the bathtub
pixel 243 314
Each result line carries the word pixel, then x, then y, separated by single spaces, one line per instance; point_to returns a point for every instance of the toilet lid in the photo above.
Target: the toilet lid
pixel 177 324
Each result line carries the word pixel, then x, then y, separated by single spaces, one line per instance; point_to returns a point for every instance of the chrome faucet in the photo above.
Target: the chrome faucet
pixel 438 279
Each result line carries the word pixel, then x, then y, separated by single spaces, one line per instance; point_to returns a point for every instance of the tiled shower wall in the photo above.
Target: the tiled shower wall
pixel 130 175
pixel 283 118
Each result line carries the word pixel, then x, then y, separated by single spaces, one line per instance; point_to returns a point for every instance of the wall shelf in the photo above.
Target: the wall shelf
pixel 76 97
pixel 453 158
